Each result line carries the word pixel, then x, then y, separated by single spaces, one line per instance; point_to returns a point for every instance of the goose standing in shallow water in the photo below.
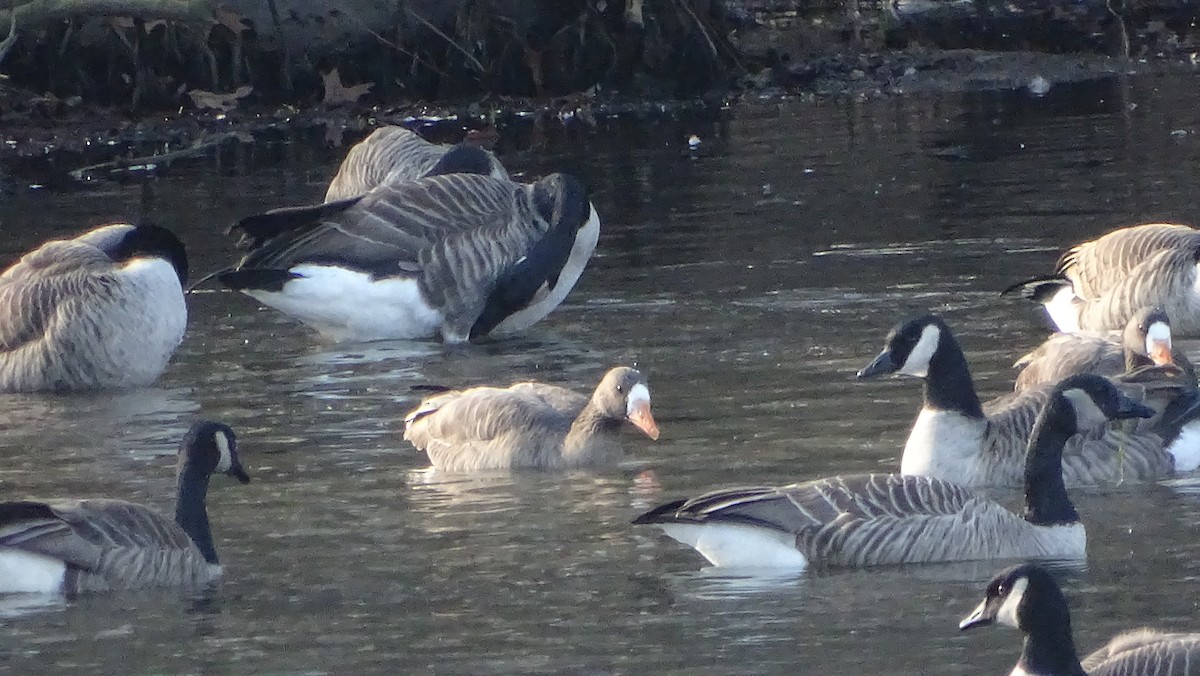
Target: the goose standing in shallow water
pixel 877 519
pixel 958 439
pixel 1027 598
pixel 1098 285
pixel 531 425
pixel 105 309
pixel 394 155
pixel 461 256
pixel 72 546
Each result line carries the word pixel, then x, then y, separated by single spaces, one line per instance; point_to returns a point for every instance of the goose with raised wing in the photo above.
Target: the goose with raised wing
pixel 459 256
pixel 1098 285
pixel 1026 597
pixel 105 309
pixel 395 154
pixel 957 438
pixel 531 425
pixel 877 519
pixel 93 545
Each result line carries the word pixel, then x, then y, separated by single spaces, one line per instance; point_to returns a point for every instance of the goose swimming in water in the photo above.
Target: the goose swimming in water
pixel 105 309
pixel 876 519
pixel 459 256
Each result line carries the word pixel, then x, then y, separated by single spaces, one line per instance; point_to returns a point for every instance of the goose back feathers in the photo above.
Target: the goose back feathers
pixel 76 546
pixel 459 255
pixel 531 425
pixel 105 309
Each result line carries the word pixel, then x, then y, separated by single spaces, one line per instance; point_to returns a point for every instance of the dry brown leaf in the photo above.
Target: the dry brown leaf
pixel 230 19
pixel 222 102
pixel 336 93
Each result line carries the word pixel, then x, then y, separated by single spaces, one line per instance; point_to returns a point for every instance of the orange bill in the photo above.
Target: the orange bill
pixel 641 418
pixel 1160 353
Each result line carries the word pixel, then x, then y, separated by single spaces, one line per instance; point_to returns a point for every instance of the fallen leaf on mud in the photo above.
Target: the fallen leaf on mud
pixel 230 19
pixel 336 93
pixel 221 102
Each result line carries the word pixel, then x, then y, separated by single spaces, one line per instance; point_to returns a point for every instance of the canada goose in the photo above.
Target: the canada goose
pixel 73 546
pixel 530 425
pixel 877 519
pixel 395 154
pixel 462 255
pixel 1027 598
pixel 1098 285
pixel 105 309
pixel 1146 340
pixel 957 438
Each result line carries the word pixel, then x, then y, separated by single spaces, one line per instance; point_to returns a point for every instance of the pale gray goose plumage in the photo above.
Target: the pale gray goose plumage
pixel 1026 597
pixel 878 519
pixel 531 425
pixel 1098 285
pixel 959 439
pixel 105 309
pixel 395 154
pixel 461 256
pixel 73 546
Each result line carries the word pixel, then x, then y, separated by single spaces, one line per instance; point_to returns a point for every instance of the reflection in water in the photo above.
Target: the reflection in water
pixel 749 282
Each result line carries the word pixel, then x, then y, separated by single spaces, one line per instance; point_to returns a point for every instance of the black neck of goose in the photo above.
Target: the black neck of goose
pixel 1050 648
pixel 1133 360
pixel 1046 500
pixel 191 512
pixel 948 384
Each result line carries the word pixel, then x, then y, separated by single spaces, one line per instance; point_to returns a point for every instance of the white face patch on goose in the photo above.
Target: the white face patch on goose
pixel 1063 308
pixel 917 363
pixel 1087 413
pixel 226 460
pixel 1007 614
pixel 638 393
pixel 1157 333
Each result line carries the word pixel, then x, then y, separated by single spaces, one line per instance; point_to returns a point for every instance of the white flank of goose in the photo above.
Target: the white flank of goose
pixel 877 519
pixel 105 309
pixel 531 425
pixel 459 256
pixel 1026 597
pixel 73 546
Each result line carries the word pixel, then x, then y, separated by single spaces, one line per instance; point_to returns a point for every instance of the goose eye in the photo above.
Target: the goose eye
pixel 620 388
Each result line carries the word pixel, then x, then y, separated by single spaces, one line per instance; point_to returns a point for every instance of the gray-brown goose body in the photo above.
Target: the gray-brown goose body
pixel 1026 597
pixel 395 154
pixel 1098 285
pixel 531 425
pixel 878 519
pixel 957 438
pixel 458 256
pixel 72 546
pixel 105 309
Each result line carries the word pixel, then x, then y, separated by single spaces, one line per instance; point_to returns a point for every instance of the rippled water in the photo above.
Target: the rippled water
pixel 749 279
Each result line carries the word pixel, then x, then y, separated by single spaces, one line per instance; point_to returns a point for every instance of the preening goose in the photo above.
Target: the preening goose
pixel 105 309
pixel 958 439
pixel 1098 285
pixel 395 154
pixel 459 255
pixel 876 519
pixel 1145 341
pixel 531 425
pixel 1026 597
pixel 73 546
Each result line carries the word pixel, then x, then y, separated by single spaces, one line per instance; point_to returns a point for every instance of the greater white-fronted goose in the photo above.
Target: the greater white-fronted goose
pixel 73 546
pixel 461 256
pixel 877 519
pixel 1026 597
pixel 531 425
pixel 394 155
pixel 958 439
pixel 1098 285
pixel 105 309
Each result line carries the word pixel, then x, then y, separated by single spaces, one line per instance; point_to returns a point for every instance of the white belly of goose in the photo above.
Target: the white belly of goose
pixel 547 299
pixel 346 305
pixel 24 572
pixel 147 328
pixel 739 546
pixel 1186 448
pixel 943 444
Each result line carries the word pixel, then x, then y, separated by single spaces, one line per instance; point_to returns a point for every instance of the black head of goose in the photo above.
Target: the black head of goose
pixel 957 438
pixel 76 546
pixel 458 255
pixel 531 425
pixel 877 519
pixel 1026 597
pixel 105 309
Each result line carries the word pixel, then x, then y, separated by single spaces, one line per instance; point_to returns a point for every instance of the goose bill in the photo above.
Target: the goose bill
pixel 880 365
pixel 1160 352
pixel 642 419
pixel 980 617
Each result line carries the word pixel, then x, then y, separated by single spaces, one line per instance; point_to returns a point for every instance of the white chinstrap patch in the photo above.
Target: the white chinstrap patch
pixel 639 394
pixel 30 573
pixel 739 546
pixel 1157 333
pixel 1063 308
pixel 917 363
pixel 1186 448
pixel 226 460
pixel 1007 613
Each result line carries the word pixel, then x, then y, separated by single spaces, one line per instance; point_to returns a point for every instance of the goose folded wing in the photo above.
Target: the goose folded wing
pixel 1144 652
pixel 1096 266
pixel 462 420
pixel 43 288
